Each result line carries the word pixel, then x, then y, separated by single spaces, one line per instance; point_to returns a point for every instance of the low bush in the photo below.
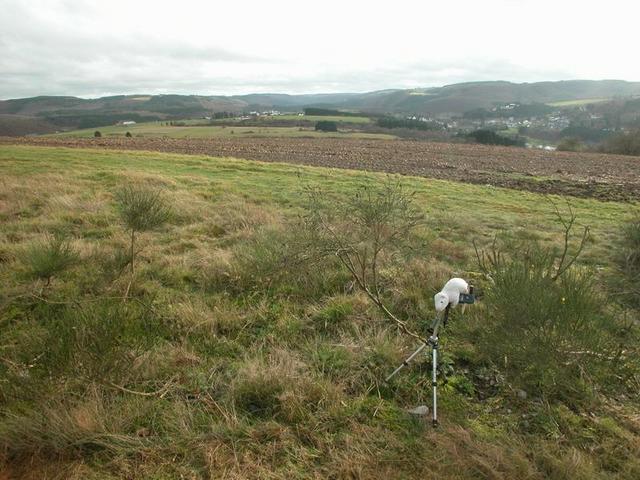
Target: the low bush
pixel 627 280
pixel 315 111
pixel 631 245
pixel 393 122
pixel 545 334
pixel 50 257
pixel 141 208
pixel 547 327
pixel 489 137
pixel 326 126
pixel 569 144
pixel 270 261
pixel 98 341
pixel 627 143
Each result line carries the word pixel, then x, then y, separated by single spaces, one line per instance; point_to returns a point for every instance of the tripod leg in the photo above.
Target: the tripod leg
pixel 434 353
pixel 406 362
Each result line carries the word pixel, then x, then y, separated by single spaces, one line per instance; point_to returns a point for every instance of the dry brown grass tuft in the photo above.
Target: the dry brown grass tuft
pixel 279 385
pixel 189 208
pixel 20 198
pixel 68 427
pixel 451 252
pixel 78 203
pixel 212 317
pixel 247 214
pixel 239 217
pixel 213 268
pixel 463 455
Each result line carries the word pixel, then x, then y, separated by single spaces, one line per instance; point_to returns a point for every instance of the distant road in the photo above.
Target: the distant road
pixel 606 177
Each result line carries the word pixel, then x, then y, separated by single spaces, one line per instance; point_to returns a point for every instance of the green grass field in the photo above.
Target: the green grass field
pixel 318 118
pixel 577 103
pixel 287 117
pixel 229 359
pixel 157 129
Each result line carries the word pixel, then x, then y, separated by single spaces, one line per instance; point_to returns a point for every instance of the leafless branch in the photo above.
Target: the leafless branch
pixel 358 231
pixel 568 224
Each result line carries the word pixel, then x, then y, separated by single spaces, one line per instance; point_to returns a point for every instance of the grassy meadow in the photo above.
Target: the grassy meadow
pixel 221 357
pixel 577 103
pixel 318 118
pixel 158 129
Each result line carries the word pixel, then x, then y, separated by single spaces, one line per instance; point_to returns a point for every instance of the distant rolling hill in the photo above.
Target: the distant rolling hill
pixel 47 113
pixel 19 125
pixel 462 97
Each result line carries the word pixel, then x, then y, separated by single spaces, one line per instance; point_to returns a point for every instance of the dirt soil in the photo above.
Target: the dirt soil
pixel 606 177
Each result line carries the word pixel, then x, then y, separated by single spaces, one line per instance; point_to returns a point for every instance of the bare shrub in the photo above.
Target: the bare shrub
pixel 366 231
pixel 626 143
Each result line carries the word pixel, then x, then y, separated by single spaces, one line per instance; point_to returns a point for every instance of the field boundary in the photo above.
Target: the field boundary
pixel 585 175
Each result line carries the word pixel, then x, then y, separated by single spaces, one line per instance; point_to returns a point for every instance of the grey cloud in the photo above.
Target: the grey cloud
pixel 42 57
pixel 38 57
pixel 174 73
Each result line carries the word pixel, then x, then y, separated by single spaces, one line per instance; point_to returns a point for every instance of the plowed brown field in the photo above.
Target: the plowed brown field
pixel 607 177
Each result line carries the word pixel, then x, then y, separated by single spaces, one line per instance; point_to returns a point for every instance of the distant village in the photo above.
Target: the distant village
pixel 532 125
pixel 542 125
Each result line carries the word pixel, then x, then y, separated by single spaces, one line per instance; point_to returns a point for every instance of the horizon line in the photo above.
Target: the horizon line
pixel 319 93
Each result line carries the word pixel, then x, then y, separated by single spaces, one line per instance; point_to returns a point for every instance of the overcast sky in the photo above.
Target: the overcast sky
pixel 96 48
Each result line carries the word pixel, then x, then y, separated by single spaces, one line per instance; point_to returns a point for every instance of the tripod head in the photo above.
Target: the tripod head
pixel 467 298
pixel 455 291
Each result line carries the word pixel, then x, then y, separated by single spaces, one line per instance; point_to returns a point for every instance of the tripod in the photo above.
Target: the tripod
pixel 432 341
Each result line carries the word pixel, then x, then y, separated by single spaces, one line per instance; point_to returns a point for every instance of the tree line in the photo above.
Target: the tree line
pixel 328 112
pixel 393 122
